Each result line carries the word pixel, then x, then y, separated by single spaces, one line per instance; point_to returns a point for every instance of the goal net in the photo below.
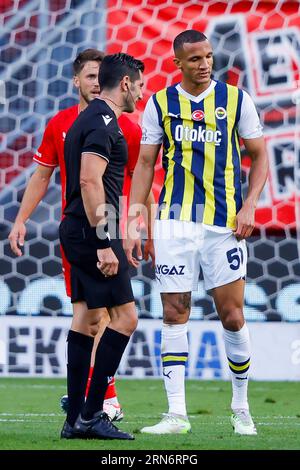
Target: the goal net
pixel 256 46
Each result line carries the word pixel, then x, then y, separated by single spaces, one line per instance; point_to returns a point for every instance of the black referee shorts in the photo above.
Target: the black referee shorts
pixel 87 281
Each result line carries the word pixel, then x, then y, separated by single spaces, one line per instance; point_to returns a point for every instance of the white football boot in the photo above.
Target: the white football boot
pixel 170 424
pixel 242 423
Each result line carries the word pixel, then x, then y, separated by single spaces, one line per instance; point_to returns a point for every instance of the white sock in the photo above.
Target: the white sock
pixel 174 354
pixel 112 401
pixel 237 346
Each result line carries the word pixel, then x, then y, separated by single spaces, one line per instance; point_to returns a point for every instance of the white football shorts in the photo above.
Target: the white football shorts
pixel 181 248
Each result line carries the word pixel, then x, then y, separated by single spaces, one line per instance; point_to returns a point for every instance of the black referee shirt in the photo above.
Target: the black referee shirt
pixel 96 131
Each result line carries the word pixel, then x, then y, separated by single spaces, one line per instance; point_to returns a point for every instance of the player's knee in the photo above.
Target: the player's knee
pixel 95 323
pixel 130 323
pixel 176 307
pixel 133 321
pixel 94 328
pixel 174 314
pixel 170 316
pixel 232 318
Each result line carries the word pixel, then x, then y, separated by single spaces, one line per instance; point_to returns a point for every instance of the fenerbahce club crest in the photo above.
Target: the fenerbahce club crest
pixel 220 113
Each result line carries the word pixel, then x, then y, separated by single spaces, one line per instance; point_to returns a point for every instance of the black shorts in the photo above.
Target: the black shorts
pixel 87 281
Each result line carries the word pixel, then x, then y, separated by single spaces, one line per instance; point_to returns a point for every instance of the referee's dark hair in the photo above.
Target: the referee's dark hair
pixel 115 66
pixel 188 36
pixel 86 56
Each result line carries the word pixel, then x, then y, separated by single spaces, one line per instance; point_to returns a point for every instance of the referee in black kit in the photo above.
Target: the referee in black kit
pixel 95 157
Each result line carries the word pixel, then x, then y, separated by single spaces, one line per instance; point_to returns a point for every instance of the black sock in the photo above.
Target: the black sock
pixel 108 356
pixel 79 356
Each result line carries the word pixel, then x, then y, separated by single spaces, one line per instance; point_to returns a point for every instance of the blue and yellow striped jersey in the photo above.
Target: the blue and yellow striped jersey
pixel 201 155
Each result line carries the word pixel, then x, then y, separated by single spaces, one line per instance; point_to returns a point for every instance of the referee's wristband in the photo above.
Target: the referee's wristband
pixel 101 236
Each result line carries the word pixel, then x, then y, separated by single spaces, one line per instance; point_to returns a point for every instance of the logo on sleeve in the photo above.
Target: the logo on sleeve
pixel 144 134
pixel 106 119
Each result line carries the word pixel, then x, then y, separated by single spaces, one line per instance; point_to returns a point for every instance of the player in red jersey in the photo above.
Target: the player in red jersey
pixel 49 155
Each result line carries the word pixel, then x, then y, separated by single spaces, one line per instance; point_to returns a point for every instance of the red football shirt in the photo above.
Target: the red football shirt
pixel 51 150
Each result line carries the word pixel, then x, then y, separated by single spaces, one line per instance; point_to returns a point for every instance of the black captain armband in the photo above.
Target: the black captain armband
pixel 101 236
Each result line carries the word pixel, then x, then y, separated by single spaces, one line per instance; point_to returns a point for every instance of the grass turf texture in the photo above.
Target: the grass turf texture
pixel 30 417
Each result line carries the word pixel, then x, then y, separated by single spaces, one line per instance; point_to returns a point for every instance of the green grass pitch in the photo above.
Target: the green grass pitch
pixel 30 417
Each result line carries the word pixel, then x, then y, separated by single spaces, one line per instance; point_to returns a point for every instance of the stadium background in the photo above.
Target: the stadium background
pixel 257 47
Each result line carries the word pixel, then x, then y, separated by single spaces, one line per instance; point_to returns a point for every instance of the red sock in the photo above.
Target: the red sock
pixel 111 391
pixel 89 381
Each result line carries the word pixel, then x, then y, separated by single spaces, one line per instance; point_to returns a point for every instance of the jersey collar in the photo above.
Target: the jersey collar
pixel 198 98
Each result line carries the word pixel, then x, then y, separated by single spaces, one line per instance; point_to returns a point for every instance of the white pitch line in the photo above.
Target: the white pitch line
pixel 10 420
pixel 30 414
pixel 278 417
pixel 14 421
pixel 141 416
pixel 138 424
pixel 37 386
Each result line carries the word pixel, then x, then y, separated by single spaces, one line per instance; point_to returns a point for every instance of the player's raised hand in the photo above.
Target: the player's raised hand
pixel 17 237
pixel 108 263
pixel 245 222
